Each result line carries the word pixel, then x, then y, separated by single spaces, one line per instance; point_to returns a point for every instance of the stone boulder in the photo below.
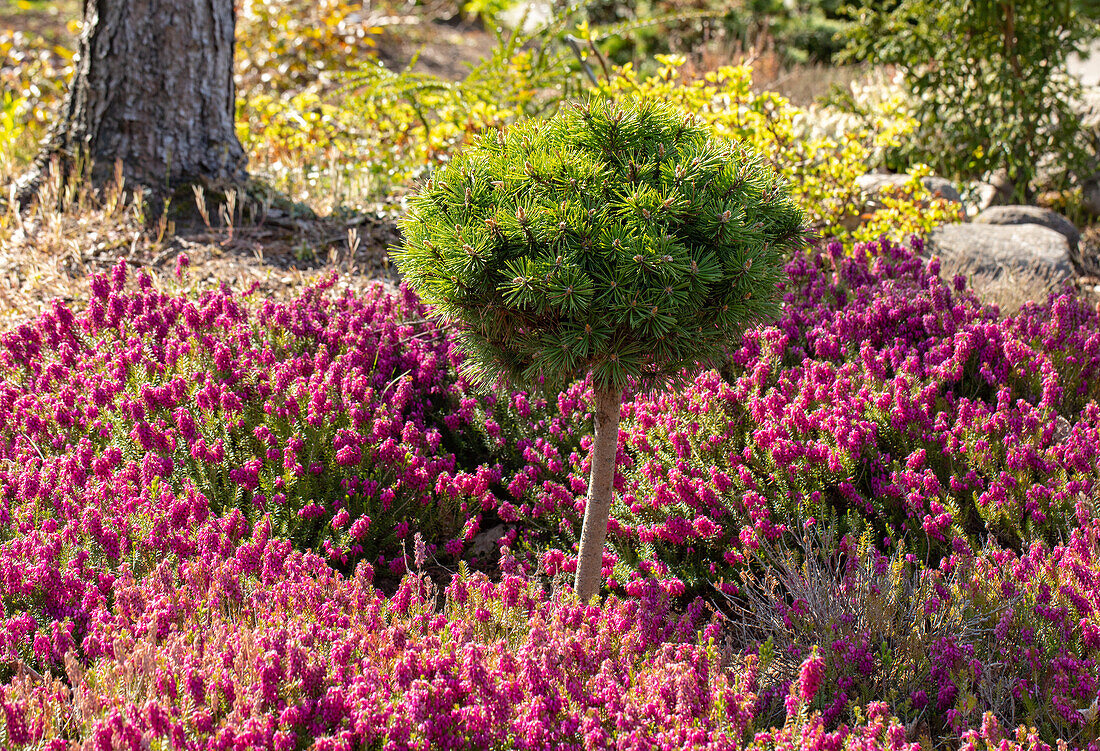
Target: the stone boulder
pixel 486 543
pixel 996 191
pixel 873 183
pixel 991 249
pixel 1011 215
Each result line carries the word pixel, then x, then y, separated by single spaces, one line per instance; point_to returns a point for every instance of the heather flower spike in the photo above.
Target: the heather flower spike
pixel 617 240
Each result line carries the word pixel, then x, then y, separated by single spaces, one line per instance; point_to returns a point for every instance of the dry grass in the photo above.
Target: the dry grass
pixel 71 231
pixel 815 594
pixel 802 84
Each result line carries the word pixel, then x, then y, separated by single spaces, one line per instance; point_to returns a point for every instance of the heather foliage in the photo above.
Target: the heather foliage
pixel 323 414
pixel 157 444
pixel 884 398
pixel 187 482
pixel 291 655
pixel 1015 635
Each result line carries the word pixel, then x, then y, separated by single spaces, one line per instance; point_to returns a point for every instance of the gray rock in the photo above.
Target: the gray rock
pixel 939 187
pixel 484 545
pixel 1062 428
pixel 996 191
pixel 991 249
pixel 1031 215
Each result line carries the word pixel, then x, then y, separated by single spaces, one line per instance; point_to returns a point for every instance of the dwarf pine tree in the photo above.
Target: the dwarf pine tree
pixel 620 240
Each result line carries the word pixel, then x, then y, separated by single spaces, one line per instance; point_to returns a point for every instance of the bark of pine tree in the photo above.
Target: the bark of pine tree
pixel 601 488
pixel 153 90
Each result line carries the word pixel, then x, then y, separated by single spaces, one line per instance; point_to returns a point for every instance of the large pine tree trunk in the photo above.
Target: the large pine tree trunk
pixel 153 90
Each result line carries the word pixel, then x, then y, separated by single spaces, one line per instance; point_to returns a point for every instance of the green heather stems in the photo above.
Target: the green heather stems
pixel 615 239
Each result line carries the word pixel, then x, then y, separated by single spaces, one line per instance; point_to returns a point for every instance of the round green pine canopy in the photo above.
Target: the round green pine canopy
pixel 621 239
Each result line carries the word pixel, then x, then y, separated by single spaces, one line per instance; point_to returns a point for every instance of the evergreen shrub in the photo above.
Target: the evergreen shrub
pixel 618 240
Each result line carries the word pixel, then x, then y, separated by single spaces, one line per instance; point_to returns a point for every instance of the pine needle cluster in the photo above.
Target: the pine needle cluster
pixel 619 239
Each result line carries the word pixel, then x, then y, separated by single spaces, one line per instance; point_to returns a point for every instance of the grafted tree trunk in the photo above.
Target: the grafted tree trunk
pixel 601 488
pixel 153 89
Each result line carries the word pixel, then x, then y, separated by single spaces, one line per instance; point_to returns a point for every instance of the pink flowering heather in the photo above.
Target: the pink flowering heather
pixel 206 654
pixel 324 413
pixel 887 500
pixel 810 676
pixel 883 398
pixel 125 429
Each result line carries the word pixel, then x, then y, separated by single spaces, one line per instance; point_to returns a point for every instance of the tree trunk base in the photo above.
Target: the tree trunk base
pixel 153 91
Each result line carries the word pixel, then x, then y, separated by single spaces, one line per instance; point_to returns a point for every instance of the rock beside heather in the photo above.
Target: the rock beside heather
pixel 1011 215
pixel 994 249
pixel 873 183
pixel 486 543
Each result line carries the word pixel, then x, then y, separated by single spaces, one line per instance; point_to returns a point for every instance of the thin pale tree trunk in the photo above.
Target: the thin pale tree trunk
pixel 153 90
pixel 601 487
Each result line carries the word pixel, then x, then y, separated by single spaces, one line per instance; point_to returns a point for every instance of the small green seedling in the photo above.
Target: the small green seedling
pixel 617 240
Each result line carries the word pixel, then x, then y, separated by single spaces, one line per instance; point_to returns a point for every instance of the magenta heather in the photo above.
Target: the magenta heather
pixel 218 516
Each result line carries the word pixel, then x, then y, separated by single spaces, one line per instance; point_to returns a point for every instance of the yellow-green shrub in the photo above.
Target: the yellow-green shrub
pixel 820 151
pixel 288 44
pixel 33 75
